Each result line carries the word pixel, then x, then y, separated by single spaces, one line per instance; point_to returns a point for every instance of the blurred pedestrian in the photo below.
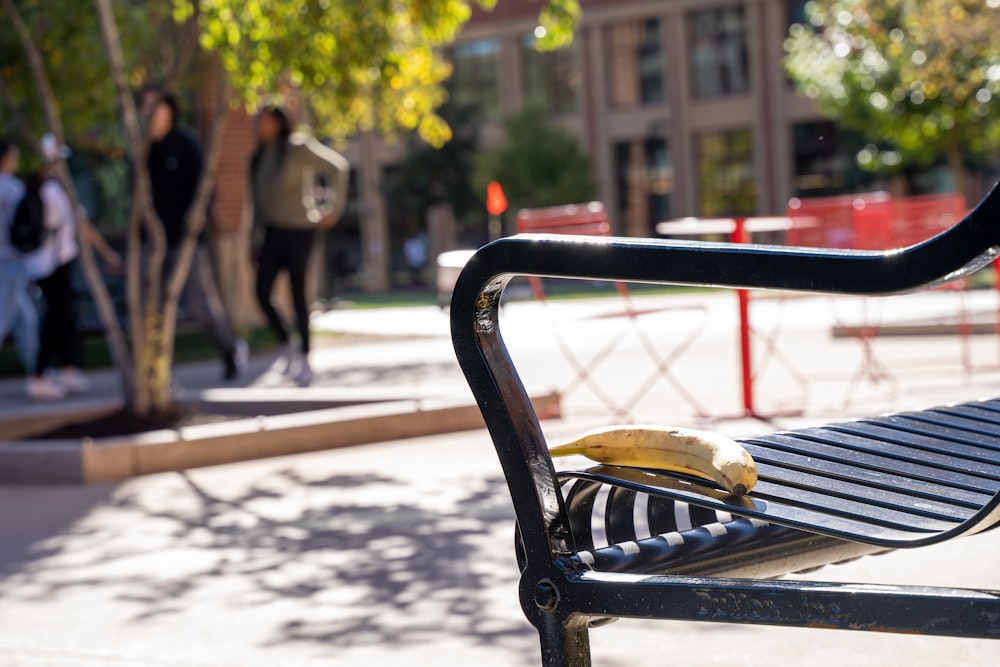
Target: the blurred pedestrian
pixel 18 315
pixel 415 255
pixel 283 180
pixel 175 167
pixel 52 267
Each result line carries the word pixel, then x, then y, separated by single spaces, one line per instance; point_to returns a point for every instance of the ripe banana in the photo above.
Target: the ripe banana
pixel 707 455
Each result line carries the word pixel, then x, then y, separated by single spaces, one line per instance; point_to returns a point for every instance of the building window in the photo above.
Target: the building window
pixel 645 175
pixel 550 77
pixel 726 183
pixel 797 12
pixel 718 51
pixel 475 79
pixel 635 64
pixel 825 160
pixel 343 263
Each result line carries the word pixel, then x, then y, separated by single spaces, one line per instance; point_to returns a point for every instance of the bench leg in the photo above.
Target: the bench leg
pixel 565 642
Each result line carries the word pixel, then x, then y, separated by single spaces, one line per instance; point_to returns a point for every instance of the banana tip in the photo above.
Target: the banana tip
pixel 739 490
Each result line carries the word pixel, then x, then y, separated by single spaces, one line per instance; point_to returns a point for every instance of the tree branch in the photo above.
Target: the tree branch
pixel 143 320
pixel 50 106
pixel 16 110
pixel 186 52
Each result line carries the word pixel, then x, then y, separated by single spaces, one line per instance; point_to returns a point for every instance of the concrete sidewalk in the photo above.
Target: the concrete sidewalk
pixel 357 369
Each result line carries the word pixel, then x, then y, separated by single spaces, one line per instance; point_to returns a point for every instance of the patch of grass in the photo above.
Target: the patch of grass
pixel 590 290
pixel 554 289
pixel 400 299
pixel 189 345
pixel 192 345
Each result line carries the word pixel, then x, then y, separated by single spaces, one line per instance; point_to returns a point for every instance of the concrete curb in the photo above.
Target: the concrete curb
pixel 113 459
pixel 40 417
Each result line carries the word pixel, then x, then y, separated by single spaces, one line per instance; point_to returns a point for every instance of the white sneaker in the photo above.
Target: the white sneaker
pixel 73 381
pixel 305 375
pixel 44 389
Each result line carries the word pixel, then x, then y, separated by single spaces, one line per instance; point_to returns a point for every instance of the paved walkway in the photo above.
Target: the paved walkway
pixel 406 353
pixel 391 554
pixel 400 553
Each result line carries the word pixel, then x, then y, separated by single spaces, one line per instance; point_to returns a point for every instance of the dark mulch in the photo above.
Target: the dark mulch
pixel 125 422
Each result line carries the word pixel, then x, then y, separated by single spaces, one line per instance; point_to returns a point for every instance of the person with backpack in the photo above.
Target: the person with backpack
pixel 18 315
pixel 283 182
pixel 52 266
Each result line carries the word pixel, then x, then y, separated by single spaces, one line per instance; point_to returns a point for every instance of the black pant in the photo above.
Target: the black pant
pixel 200 297
pixel 285 249
pixel 60 339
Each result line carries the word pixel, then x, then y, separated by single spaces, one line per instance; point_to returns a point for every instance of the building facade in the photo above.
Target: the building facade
pixel 682 105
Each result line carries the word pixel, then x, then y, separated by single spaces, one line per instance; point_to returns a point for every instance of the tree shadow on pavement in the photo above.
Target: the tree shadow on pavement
pixel 30 514
pixel 343 560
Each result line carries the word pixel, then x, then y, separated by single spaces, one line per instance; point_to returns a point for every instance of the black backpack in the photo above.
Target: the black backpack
pixel 27 229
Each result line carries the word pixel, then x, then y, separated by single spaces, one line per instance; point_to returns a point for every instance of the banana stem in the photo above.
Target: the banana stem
pixel 567 449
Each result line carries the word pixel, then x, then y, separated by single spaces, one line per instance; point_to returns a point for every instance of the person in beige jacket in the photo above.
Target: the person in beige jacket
pixel 287 213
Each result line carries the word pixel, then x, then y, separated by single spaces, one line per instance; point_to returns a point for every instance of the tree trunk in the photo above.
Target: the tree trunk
pixel 899 186
pixel 959 172
pixel 146 329
pixel 109 319
pixel 154 332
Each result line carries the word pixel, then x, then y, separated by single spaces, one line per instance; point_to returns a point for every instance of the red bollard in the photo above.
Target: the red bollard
pixel 739 235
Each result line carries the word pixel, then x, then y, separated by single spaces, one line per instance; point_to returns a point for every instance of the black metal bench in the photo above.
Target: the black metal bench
pixel 826 494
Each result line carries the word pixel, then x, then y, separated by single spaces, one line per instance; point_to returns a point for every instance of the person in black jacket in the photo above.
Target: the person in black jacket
pixel 175 166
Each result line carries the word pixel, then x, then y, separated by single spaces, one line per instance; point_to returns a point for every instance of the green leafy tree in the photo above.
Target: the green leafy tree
pixel 67 37
pixel 917 78
pixel 428 176
pixel 538 164
pixel 368 65
pixel 356 65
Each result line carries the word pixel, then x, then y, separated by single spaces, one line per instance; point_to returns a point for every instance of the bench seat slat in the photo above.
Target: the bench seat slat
pixel 989 405
pixel 925 435
pixel 836 502
pixel 855 450
pixel 952 421
pixel 917 487
pixel 879 495
pixel 902 445
pixel 970 412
